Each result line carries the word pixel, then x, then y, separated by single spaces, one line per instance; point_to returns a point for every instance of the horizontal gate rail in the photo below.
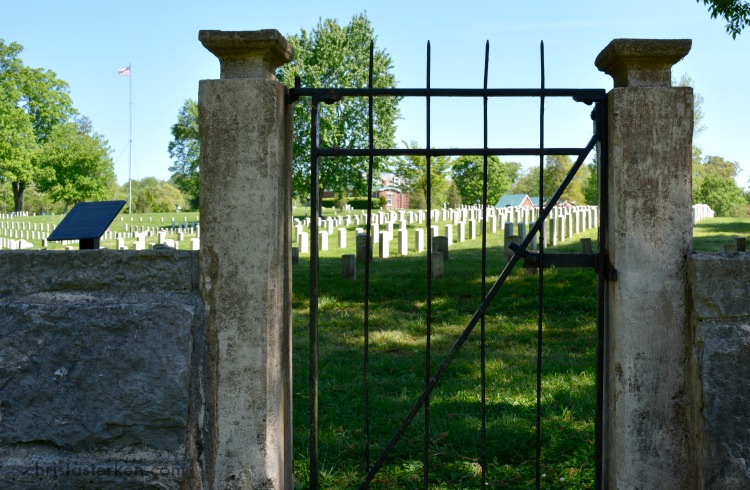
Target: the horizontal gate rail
pixel 434 152
pixel 331 95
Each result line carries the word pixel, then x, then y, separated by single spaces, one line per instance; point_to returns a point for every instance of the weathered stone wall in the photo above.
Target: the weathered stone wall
pixel 720 288
pixel 97 352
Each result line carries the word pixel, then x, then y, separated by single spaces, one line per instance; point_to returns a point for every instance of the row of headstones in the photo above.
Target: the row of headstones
pixel 441 245
pixel 131 232
pixel 24 234
pixel 579 219
pixel 43 229
pixel 10 244
pixel 25 225
pixel 49 227
pixel 181 229
pixel 559 227
pixel 162 241
pixel 701 212
pixel 27 235
pixel 383 238
pixel 20 214
pixel 516 214
pixel 151 219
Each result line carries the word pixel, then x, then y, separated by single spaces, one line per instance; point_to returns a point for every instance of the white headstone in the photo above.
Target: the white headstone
pixel 419 239
pixel 384 245
pixel 403 242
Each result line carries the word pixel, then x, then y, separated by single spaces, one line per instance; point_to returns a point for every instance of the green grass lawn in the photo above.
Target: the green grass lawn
pixel 709 235
pixel 150 220
pixel 397 366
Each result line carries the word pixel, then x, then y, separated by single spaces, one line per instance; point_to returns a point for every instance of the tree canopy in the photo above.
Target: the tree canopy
pixel 33 102
pixel 735 12
pixel 185 151
pixel 468 174
pixel 74 164
pixel 151 195
pixel 555 169
pixel 413 171
pixel 714 184
pixel 332 55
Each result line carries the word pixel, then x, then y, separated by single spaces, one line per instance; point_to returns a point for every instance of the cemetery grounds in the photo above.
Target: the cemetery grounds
pixel 397 323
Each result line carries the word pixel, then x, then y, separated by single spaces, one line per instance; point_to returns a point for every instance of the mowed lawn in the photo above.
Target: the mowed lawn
pixel 397 357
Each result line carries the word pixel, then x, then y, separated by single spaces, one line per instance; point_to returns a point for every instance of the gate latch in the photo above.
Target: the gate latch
pixel 533 260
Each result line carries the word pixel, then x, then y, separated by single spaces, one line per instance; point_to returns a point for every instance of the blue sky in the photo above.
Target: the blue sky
pixel 85 42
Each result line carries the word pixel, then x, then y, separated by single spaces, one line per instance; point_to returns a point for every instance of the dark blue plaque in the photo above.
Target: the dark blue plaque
pixel 87 222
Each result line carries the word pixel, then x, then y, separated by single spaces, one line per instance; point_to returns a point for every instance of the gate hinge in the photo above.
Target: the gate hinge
pixel 609 273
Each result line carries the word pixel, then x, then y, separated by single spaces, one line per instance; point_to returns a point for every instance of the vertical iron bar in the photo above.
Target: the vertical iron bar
pixel 485 177
pixel 428 341
pixel 602 304
pixel 540 301
pixel 314 183
pixel 368 251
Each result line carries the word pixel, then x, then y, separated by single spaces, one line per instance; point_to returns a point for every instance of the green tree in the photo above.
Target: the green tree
pixel 17 148
pixel 453 197
pixel 44 100
pixel 412 169
pixel 527 182
pixel 332 55
pixel 590 186
pixel 555 171
pixel 722 194
pixel 185 151
pixel 716 165
pixel 468 174
pixel 74 164
pixel 714 184
pixel 151 195
pixel 735 12
pixel 698 115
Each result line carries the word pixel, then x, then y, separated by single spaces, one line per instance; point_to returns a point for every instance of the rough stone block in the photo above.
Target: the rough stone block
pixel 720 284
pixel 725 362
pixel 97 353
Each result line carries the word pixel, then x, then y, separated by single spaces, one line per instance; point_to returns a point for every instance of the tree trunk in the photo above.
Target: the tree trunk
pixel 18 188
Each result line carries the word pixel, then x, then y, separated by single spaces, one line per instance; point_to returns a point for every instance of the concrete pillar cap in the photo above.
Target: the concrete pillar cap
pixel 642 62
pixel 248 54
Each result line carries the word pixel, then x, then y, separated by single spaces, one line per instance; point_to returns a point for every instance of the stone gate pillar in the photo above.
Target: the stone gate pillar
pixel 648 404
pixel 245 262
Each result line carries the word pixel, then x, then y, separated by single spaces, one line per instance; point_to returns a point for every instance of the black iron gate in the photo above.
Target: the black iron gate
pixel 536 259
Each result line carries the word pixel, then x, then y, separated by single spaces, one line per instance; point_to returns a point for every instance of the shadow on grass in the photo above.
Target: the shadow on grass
pixel 397 367
pixel 711 234
pixel 725 226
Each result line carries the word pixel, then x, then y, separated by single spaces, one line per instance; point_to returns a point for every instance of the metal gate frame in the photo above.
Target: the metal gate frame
pixel 599 261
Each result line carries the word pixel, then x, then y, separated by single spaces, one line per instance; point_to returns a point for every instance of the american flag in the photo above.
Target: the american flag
pixel 124 72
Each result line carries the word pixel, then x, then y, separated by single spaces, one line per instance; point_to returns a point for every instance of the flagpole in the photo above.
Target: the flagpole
pixel 130 141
